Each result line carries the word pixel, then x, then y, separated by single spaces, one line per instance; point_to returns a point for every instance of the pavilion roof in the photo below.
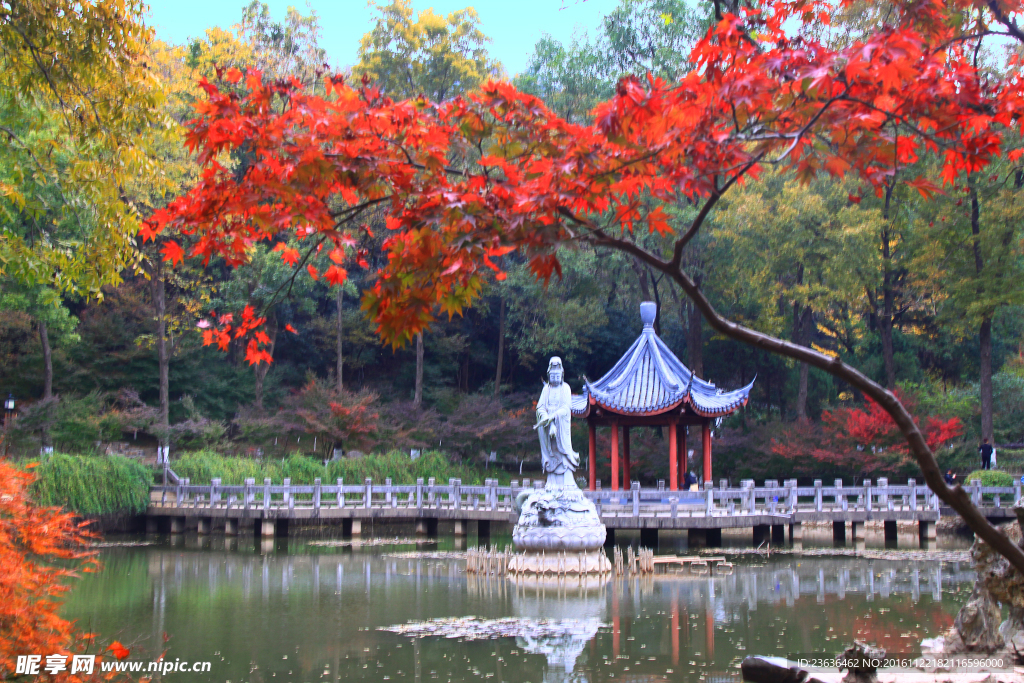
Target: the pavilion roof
pixel 649 380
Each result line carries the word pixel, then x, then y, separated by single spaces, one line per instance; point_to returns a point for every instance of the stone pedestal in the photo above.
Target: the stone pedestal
pixel 559 563
pixel 558 532
pixel 557 519
pixel 230 527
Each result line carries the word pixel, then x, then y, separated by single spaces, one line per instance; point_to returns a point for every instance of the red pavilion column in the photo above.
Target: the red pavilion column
pixel 681 440
pixel 673 458
pixel 706 441
pixel 592 461
pixel 626 482
pixel 615 456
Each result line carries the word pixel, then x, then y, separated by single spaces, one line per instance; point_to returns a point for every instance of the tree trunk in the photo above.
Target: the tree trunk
pixel 160 305
pixel 696 340
pixel 417 397
pixel 801 337
pixel 501 346
pixel 888 312
pixel 44 340
pixel 985 335
pixel 340 382
pixel 262 369
pixel 985 332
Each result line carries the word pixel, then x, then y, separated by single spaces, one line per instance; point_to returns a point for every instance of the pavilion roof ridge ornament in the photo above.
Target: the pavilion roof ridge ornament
pixel 649 379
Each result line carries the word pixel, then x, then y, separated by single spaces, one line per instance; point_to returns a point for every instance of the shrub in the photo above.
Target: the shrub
pixel 203 466
pixel 93 485
pixel 990 478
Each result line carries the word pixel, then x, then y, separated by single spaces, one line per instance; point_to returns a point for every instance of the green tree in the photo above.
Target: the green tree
pixel 79 112
pixel 975 263
pixel 795 245
pixel 439 57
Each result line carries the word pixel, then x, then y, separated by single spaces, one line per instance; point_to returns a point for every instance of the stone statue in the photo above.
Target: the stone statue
pixel 558 529
pixel 558 458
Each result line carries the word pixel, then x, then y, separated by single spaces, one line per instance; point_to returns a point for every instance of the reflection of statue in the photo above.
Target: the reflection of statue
pixel 553 418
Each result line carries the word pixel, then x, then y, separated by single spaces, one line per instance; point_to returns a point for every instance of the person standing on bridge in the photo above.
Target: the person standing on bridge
pixel 986 454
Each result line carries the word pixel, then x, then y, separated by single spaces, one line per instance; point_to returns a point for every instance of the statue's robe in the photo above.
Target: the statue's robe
pixel 557 455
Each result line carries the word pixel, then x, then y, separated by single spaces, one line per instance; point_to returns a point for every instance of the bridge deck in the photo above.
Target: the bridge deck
pixel 652 508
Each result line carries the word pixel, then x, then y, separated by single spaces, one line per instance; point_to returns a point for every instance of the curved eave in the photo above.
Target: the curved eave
pixel 579 405
pixel 655 410
pixel 719 412
pixel 719 405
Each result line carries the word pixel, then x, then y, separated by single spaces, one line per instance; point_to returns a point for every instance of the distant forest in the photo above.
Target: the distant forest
pixel 923 295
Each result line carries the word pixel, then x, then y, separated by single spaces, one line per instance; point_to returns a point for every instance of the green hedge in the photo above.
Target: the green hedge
pixel 990 478
pixel 202 466
pixel 93 485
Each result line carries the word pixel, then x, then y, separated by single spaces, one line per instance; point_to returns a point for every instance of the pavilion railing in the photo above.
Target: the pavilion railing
pixel 772 498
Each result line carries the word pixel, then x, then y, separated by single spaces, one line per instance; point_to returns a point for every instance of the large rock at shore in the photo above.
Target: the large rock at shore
pixel 773 670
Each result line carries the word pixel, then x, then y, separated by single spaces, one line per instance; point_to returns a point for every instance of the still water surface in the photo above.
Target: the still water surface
pixel 291 611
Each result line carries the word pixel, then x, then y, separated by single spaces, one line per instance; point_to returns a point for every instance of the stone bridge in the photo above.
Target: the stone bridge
pixel 268 508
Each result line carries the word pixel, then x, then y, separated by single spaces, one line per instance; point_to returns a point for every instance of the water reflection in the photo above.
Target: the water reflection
pixel 294 612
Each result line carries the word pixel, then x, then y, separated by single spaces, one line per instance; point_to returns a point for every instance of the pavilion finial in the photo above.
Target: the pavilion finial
pixel 648 312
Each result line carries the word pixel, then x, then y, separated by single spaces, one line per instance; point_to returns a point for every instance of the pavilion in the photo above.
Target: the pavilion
pixel 650 387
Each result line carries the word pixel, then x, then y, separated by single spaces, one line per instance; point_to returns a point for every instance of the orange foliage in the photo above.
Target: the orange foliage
pixel 38 545
pixel 764 87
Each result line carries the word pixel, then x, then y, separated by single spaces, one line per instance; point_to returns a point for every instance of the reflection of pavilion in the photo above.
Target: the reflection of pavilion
pixel 650 387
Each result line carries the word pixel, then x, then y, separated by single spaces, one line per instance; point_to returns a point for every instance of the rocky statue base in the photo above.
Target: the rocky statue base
pixel 558 532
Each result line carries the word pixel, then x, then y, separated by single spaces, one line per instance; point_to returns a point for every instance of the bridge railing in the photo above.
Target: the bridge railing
pixel 746 499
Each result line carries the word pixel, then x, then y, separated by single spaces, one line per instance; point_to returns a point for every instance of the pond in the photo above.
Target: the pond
pixel 298 610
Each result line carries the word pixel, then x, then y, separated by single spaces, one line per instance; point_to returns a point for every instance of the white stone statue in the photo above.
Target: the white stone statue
pixel 558 458
pixel 558 528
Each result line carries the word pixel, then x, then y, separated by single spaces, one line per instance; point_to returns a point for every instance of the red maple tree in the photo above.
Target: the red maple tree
pixel 863 439
pixel 469 180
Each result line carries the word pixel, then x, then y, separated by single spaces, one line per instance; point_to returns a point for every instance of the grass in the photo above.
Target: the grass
pixel 203 466
pixel 93 485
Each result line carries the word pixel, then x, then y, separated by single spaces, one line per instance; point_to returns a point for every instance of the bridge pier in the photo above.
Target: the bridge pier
pixel 266 528
pixel 230 527
pixel 649 538
pixel 205 526
pixel 762 534
pixel 177 525
pixel 839 532
pixel 778 534
pixel 426 526
pixel 857 531
pixel 461 527
pixel 926 531
pixel 796 532
pixel 352 527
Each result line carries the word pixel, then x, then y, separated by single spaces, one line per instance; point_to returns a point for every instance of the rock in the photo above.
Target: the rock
pixel 977 623
pixel 773 670
pixel 1012 633
pixel 860 661
pixel 353 454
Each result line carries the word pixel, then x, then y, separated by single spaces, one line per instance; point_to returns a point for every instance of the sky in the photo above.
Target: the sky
pixel 514 26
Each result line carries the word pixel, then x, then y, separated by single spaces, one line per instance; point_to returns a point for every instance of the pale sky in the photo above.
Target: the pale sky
pixel 514 26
